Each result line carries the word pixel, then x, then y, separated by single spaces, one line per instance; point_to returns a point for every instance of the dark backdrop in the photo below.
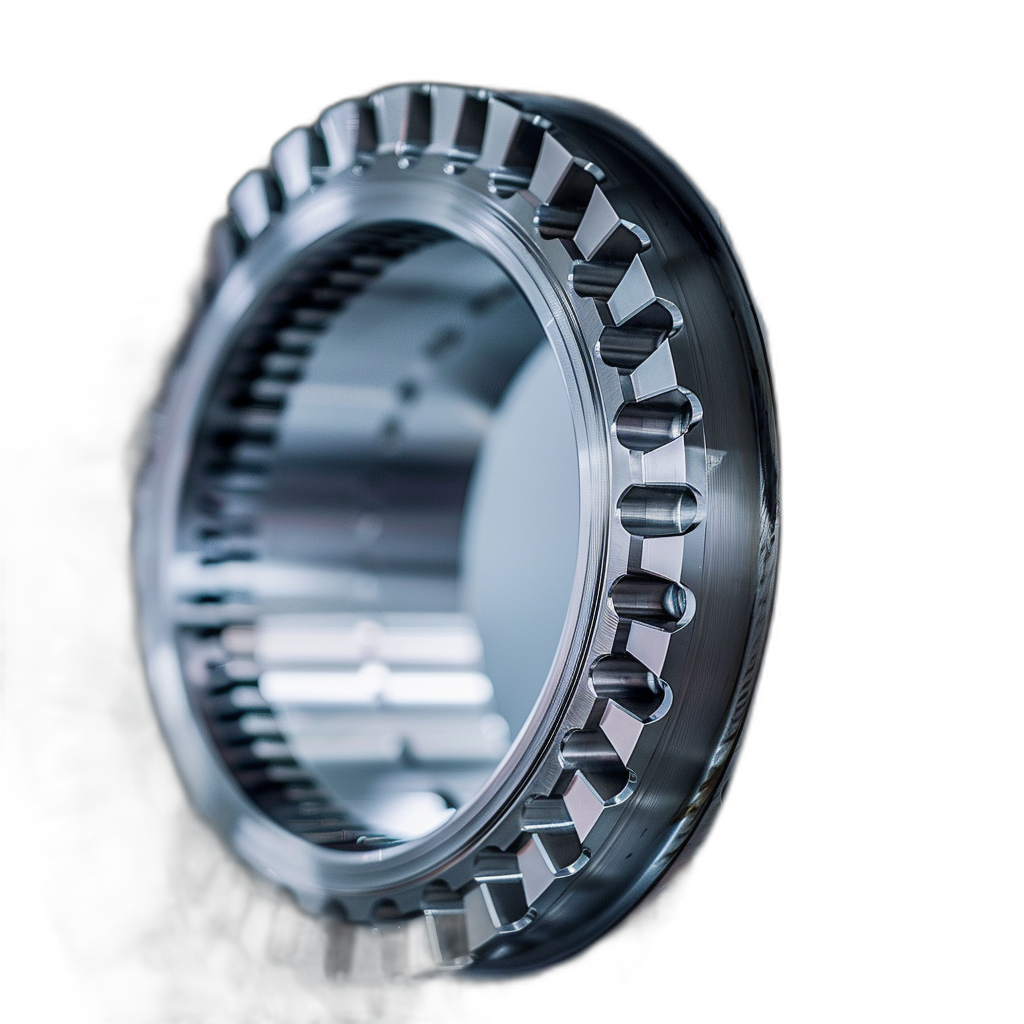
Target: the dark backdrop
pixel 138 150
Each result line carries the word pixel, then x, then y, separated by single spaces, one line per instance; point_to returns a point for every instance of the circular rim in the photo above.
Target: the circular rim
pixel 640 295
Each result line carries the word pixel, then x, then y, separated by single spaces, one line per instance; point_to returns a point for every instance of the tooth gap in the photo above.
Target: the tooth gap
pixel 564 848
pixel 644 426
pixel 596 280
pixel 627 347
pixel 507 183
pixel 659 511
pixel 470 135
pixel 589 751
pixel 649 599
pixel 417 126
pixel 578 185
pixel 633 686
pixel 557 222
pixel 493 865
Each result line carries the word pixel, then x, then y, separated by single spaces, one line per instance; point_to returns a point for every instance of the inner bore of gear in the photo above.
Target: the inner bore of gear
pixel 387 490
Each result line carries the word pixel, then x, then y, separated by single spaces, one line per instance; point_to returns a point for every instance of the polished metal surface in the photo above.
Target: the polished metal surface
pixel 455 544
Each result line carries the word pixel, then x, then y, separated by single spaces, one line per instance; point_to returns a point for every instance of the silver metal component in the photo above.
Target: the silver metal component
pixel 455 546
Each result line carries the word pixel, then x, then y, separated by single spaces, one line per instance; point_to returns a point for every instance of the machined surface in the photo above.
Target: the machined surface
pixel 612 262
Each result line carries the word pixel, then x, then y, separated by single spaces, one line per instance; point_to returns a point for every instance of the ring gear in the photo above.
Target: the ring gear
pixel 629 756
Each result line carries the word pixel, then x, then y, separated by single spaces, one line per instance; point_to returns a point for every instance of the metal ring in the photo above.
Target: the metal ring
pixel 374 303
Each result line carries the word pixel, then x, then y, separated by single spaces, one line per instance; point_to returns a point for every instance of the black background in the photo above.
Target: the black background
pixel 138 151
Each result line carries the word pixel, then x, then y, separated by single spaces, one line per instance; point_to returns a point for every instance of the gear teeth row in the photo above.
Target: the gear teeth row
pixel 642 336
pixel 467 127
pixel 660 423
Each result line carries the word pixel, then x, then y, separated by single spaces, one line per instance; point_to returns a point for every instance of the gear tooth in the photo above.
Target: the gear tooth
pixel 633 294
pixel 458 120
pixel 349 130
pixel 658 373
pixel 553 165
pixel 293 160
pixel 661 373
pixel 560 179
pixel 625 241
pixel 667 465
pixel 496 903
pixel 649 645
pixel 252 201
pixel 542 859
pixel 480 923
pixel 622 728
pixel 663 556
pixel 604 235
pixel 403 119
pixel 599 222
pixel 503 124
pixel 661 650
pixel 511 144
pixel 584 803
pixel 538 871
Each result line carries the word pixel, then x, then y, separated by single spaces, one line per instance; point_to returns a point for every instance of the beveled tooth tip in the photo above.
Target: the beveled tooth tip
pixel 252 201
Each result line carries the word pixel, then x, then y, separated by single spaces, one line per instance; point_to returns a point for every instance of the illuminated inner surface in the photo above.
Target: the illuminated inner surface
pixel 418 540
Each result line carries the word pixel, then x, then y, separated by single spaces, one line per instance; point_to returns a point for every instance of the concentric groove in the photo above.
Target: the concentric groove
pixel 641 335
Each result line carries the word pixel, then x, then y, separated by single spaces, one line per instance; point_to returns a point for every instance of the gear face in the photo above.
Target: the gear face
pixel 455 543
